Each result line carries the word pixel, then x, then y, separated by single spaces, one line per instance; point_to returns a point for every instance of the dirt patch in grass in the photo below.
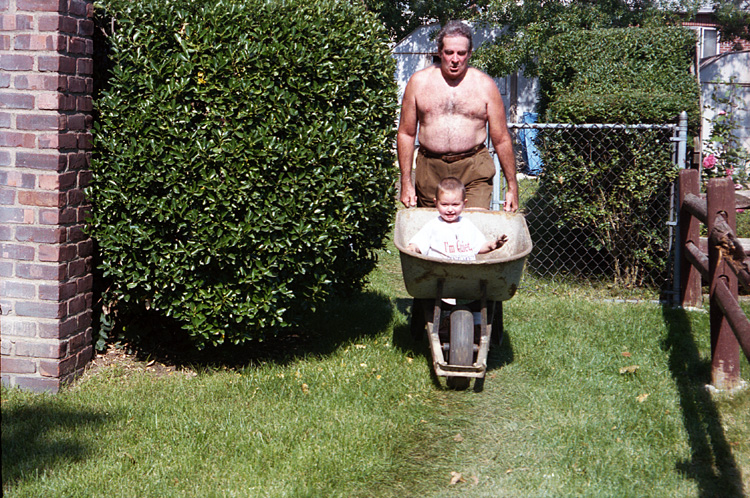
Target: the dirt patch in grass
pixel 119 357
pixel 167 352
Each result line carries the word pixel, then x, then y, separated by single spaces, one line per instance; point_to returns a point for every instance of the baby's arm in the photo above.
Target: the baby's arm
pixel 494 244
pixel 413 248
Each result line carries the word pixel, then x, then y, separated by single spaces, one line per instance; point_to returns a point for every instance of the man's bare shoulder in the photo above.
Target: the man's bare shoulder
pixel 424 75
pixel 481 78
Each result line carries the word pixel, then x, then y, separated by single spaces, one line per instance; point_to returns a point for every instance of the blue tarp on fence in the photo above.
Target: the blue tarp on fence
pixel 527 138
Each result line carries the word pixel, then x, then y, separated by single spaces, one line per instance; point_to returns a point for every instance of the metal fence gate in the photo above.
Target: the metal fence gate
pixel 638 246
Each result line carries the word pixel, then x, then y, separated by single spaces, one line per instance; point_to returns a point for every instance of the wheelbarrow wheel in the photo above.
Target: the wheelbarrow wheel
pixel 461 350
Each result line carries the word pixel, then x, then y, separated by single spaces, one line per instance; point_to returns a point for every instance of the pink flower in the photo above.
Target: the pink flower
pixel 709 161
pixel 722 112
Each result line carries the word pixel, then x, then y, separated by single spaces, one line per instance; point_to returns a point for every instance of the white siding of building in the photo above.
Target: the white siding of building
pixel 416 52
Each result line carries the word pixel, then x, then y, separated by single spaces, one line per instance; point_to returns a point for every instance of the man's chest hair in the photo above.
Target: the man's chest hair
pixel 439 100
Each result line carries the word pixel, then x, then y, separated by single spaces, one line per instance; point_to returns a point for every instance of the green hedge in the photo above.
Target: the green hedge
pixel 243 166
pixel 613 186
pixel 628 76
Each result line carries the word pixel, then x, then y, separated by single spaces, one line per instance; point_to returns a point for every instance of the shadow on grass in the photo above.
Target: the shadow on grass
pixel 340 321
pixel 712 464
pixel 36 438
pixel 402 338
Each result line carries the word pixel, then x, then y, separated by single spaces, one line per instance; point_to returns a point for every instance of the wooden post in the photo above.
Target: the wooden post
pixel 725 350
pixel 690 284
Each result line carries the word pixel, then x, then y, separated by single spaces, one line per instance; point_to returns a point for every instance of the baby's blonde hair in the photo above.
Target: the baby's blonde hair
pixel 450 184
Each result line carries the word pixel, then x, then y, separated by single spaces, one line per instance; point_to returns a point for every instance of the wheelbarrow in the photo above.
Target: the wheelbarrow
pixel 459 334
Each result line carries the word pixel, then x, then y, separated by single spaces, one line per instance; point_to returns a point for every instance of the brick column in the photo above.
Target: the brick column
pixel 46 84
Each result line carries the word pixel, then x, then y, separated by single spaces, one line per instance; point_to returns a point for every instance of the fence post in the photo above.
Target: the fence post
pixel 725 350
pixel 689 230
pixel 682 136
pixel 678 266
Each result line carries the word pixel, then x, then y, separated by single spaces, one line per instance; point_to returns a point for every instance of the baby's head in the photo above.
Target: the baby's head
pixel 450 199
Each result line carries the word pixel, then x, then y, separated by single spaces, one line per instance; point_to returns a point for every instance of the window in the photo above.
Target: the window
pixel 708 41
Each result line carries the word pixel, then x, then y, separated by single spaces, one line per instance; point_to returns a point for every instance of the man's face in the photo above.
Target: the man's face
pixel 454 57
pixel 450 204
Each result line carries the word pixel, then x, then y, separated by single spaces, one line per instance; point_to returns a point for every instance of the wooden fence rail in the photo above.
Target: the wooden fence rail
pixel 723 268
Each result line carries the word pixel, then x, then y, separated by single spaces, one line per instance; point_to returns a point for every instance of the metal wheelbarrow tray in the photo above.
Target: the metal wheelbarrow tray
pixel 491 278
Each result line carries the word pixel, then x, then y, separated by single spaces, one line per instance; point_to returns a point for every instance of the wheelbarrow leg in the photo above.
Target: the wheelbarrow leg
pixel 434 333
pixel 485 335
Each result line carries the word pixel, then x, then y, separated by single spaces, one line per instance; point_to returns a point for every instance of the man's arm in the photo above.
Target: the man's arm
pixel 503 145
pixel 407 134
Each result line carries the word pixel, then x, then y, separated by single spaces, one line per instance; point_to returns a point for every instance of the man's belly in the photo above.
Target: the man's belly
pixel 451 137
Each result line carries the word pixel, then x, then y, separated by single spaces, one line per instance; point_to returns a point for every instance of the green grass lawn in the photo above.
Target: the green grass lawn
pixel 743 224
pixel 351 409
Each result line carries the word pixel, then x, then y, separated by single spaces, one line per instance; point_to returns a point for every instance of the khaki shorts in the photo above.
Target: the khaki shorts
pixel 475 172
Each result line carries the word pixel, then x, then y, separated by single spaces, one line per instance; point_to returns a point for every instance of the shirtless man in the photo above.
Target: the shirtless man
pixel 452 103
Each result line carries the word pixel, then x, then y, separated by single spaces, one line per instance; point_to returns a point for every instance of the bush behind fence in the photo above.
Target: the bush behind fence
pixel 599 208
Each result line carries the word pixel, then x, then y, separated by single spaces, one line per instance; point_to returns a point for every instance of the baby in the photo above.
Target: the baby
pixel 450 235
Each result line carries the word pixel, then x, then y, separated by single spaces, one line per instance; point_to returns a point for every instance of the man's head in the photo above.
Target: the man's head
pixel 454 49
pixel 454 28
pixel 450 199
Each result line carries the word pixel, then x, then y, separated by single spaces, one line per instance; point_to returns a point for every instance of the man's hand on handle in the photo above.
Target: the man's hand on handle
pixel 408 194
pixel 511 202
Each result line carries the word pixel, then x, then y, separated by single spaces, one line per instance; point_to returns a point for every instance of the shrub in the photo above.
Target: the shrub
pixel 615 187
pixel 243 165
pixel 608 191
pixel 628 76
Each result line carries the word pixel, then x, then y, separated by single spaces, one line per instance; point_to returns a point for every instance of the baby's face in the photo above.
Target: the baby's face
pixel 450 205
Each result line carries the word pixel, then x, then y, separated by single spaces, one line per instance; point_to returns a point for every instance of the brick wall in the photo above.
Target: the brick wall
pixel 46 67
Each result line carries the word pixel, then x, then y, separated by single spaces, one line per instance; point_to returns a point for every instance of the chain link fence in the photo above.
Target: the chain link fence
pixel 598 200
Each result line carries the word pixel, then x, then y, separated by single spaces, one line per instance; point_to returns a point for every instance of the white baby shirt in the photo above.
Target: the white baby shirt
pixel 460 240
